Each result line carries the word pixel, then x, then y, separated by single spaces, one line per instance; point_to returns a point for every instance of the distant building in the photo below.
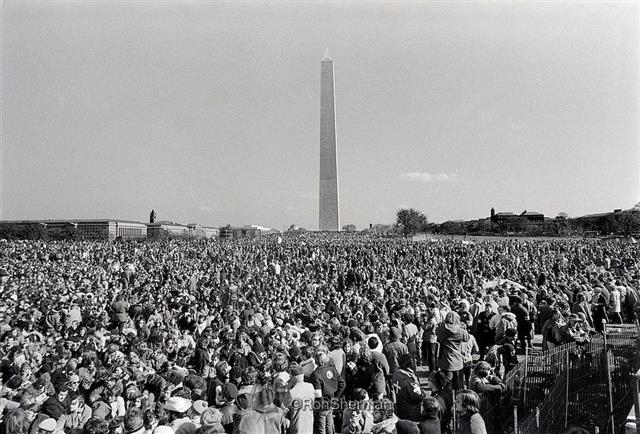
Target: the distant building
pixel 525 216
pixel 107 229
pixel 202 232
pixel 250 231
pixel 502 217
pixel 532 216
pixel 167 229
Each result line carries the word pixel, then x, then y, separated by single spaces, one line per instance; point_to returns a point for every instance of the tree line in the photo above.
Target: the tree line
pixel 626 223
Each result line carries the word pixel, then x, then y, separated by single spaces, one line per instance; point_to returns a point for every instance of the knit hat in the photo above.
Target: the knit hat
pixel 229 392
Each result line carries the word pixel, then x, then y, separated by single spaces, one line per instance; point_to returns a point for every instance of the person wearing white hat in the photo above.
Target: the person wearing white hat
pixel 178 411
pixel 47 426
pixel 163 429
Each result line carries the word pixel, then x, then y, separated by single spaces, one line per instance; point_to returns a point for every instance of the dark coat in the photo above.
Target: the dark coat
pixel 430 424
pixel 408 395
pixel 55 408
pixel 391 351
pixel 372 375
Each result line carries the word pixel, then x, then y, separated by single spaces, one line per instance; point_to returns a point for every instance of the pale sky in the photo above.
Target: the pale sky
pixel 209 112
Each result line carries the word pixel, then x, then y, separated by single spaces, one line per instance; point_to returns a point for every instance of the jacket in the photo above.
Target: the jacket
pixel 450 337
pixel 430 424
pixel 507 321
pixel 365 426
pixel 327 380
pixel 391 351
pixel 408 395
pixel 269 419
pixel 372 375
pixel 301 409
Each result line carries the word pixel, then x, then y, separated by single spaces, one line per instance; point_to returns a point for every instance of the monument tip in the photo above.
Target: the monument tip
pixel 326 54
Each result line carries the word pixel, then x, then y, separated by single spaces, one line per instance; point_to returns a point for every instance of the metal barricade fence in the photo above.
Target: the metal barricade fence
pixel 587 385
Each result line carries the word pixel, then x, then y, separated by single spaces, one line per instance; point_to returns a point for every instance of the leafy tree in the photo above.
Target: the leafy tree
pixel 411 221
pixel 13 232
pixel 35 232
pixel 513 225
pixel 349 228
pixel 630 222
pixel 608 224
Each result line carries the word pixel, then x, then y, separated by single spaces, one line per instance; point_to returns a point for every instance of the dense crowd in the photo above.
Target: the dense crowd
pixel 312 333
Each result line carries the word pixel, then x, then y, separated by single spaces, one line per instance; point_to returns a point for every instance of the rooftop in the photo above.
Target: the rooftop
pixel 54 221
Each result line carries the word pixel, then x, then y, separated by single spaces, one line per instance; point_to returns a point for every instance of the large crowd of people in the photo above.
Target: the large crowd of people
pixel 309 334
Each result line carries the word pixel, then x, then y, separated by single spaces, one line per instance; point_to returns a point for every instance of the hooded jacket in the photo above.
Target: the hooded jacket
pixel 450 338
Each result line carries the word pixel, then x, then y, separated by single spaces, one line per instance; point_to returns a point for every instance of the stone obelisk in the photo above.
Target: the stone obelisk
pixel 329 211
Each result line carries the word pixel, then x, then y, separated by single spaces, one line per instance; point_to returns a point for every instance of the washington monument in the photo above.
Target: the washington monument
pixel 329 211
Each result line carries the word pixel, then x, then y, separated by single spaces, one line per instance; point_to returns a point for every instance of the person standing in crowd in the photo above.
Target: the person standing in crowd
pixel 430 420
pixel 483 332
pixel 615 306
pixel 450 337
pixel 408 395
pixel 394 348
pixel 300 412
pixel 372 371
pixel 412 335
pixel 504 321
pixel 469 349
pixel 482 381
pixel 265 418
pixel 599 308
pixel 507 353
pixel 228 407
pixel 571 331
pixel 523 323
pixel 178 419
pixel 581 306
pixel 328 386
pixel 551 337
pixel 429 338
pixel 468 409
